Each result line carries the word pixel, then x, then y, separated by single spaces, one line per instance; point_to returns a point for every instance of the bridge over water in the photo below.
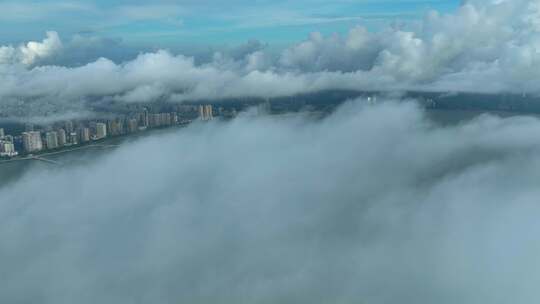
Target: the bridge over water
pixel 42 157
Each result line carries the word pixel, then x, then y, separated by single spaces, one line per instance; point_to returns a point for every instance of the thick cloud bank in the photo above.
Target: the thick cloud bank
pixel 485 46
pixel 370 205
pixel 31 52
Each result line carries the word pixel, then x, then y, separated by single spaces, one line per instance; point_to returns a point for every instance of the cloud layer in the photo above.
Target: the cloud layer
pixel 484 46
pixel 32 51
pixel 372 204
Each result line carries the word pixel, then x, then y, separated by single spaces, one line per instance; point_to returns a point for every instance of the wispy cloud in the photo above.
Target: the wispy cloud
pixel 200 17
pixel 40 11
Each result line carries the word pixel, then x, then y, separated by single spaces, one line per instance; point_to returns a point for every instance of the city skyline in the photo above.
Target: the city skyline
pixel 71 133
pixel 262 152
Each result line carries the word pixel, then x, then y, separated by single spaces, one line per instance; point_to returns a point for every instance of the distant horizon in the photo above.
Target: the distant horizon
pixel 270 151
pixel 474 46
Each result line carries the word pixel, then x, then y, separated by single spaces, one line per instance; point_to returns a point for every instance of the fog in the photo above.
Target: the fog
pixel 373 204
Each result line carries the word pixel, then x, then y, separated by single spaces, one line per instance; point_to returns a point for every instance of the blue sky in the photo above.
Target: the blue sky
pixel 154 24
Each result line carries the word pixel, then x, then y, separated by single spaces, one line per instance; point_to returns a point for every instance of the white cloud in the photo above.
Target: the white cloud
pixel 32 51
pixel 372 204
pixel 7 54
pixel 482 47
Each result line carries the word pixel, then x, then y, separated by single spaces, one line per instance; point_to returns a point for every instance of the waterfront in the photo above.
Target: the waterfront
pixel 79 156
pixel 13 171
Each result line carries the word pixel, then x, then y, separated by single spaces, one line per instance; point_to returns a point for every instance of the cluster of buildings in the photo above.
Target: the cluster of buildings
pixel 70 133
pixel 56 137
pixel 205 112
pixel 7 146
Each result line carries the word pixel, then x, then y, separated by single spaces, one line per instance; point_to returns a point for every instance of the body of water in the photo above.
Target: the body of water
pixel 12 172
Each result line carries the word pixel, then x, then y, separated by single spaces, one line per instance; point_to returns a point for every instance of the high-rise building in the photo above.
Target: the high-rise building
pixel 62 138
pixel 115 127
pixel 101 130
pixel 122 125
pixel 92 126
pixel 155 120
pixel 206 112
pixel 68 125
pixel 2 133
pixel 160 119
pixel 32 141
pixel 132 125
pixel 163 119
pixel 209 112
pixel 84 134
pixel 51 140
pixel 144 118
pixel 7 149
pixel 111 126
pixel 9 138
pixel 73 138
pixel 201 112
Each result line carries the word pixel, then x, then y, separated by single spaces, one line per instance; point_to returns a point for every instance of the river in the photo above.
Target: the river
pixel 15 171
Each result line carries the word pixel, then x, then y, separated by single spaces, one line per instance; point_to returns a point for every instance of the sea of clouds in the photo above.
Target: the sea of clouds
pixel 373 204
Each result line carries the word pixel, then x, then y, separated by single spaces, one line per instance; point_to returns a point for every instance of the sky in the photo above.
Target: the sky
pixel 181 23
pixel 61 57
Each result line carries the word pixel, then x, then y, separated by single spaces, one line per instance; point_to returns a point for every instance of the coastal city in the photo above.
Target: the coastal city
pixel 73 133
pixel 122 120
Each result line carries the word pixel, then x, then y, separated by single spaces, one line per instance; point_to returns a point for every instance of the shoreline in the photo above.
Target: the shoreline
pixel 42 155
pixel 101 143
